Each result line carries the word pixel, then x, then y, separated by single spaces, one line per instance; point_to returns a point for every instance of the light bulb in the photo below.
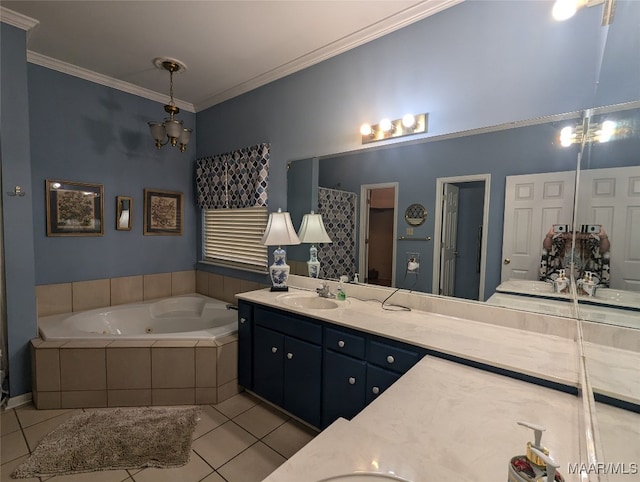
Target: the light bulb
pixel 566 136
pixel 564 9
pixel 607 130
pixel 408 120
pixel 365 130
pixel 385 125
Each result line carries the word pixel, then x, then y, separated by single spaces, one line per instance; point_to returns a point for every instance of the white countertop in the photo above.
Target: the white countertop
pixel 442 421
pixel 549 357
pixel 447 421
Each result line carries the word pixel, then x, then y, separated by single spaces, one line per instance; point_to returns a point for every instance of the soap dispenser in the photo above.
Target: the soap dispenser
pixel 536 465
pixel 340 294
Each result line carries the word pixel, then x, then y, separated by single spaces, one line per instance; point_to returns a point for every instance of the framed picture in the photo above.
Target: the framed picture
pixel 163 212
pixel 124 213
pixel 74 208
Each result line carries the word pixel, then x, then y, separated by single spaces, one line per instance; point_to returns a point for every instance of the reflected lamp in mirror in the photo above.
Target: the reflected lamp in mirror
pixel 312 231
pixel 279 232
pixel 124 205
pixel 388 129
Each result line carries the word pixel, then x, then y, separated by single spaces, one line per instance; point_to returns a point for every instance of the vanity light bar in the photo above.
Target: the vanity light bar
pixel 603 132
pixel 388 129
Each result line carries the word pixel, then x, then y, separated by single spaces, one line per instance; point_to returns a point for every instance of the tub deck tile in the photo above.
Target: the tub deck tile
pixel 175 343
pixel 131 343
pixel 85 344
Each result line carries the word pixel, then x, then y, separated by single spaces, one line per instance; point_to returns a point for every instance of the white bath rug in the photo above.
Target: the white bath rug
pixel 114 439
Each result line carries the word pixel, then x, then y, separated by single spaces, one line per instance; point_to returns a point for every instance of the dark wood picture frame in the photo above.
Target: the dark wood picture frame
pixel 163 212
pixel 74 208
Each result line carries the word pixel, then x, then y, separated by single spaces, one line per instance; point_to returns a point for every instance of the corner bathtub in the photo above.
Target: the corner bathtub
pixel 191 317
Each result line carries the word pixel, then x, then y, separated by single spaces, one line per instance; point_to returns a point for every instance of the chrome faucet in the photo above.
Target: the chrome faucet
pixel 323 291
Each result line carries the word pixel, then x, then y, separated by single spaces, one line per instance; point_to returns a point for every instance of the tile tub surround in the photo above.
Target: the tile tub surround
pixel 85 374
pixel 59 298
pixel 55 299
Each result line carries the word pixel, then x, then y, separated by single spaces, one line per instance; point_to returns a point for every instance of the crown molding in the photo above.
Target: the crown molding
pixel 17 19
pixel 395 22
pixel 91 76
pixel 408 16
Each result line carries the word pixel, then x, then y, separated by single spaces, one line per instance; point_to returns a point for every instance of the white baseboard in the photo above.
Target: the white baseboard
pixel 20 400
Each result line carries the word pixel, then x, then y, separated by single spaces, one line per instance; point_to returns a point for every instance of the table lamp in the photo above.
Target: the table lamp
pixel 280 232
pixel 312 231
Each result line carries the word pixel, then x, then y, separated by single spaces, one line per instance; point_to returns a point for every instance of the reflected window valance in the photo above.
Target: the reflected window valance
pixel 236 179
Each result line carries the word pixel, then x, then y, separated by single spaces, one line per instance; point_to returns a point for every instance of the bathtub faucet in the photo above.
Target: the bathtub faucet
pixel 232 307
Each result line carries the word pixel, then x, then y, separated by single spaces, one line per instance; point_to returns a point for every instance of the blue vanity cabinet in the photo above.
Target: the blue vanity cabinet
pixel 358 367
pixel 245 344
pixel 344 389
pixel 287 362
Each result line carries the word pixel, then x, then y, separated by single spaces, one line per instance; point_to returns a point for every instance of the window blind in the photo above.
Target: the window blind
pixel 231 237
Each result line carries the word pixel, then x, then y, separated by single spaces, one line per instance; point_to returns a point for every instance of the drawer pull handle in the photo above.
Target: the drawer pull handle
pixel 242 320
pixel 390 359
pixel 289 356
pixel 375 390
pixel 341 344
pixel 352 381
pixel 274 349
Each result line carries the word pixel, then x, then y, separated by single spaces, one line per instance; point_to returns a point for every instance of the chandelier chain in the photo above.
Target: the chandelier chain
pixel 171 87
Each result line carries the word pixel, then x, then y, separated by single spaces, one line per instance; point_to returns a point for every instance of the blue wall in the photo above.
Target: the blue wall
pixel 86 132
pixel 474 65
pixel 17 211
pixel 416 167
pixel 75 130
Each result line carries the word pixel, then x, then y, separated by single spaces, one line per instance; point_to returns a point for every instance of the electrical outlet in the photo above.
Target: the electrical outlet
pixel 409 231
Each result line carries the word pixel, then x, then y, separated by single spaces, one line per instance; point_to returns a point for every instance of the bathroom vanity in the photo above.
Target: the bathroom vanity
pixel 456 379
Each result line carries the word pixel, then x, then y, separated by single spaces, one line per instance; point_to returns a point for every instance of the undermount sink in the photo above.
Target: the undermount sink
pixel 364 477
pixel 310 301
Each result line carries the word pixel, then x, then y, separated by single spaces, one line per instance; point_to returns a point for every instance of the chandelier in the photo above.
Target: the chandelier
pixel 170 130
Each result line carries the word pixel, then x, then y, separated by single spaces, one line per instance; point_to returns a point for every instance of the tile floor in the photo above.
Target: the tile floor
pixel 239 440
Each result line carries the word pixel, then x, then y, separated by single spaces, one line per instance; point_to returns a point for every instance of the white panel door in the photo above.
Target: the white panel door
pixel 449 240
pixel 533 202
pixel 611 197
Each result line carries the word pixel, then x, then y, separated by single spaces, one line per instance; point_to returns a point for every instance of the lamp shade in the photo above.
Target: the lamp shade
pixel 280 230
pixel 312 229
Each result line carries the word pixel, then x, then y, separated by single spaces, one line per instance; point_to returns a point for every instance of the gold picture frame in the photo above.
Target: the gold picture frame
pixel 163 212
pixel 124 213
pixel 74 208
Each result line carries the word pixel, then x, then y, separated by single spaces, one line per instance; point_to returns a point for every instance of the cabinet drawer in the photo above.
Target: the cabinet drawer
pixel 290 325
pixel 343 342
pixel 392 357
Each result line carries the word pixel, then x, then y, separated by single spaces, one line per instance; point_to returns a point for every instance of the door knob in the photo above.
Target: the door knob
pixel 506 261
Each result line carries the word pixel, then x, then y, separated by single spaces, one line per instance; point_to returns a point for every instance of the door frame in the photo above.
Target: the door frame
pixel 364 228
pixel 437 233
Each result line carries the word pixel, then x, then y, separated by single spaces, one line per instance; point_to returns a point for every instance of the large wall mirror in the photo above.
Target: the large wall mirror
pixel 512 183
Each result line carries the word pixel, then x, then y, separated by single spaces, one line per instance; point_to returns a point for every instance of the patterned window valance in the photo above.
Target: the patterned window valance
pixel 237 179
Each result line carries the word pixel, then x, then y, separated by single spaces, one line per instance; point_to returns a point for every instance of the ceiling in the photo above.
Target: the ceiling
pixel 228 47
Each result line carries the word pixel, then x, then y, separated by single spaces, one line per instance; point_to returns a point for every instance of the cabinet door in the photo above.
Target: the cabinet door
pixel 245 345
pixel 268 369
pixel 378 380
pixel 303 379
pixel 344 386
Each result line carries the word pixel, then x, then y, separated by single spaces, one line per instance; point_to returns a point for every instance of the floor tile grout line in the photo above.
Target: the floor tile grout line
pixel 131 477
